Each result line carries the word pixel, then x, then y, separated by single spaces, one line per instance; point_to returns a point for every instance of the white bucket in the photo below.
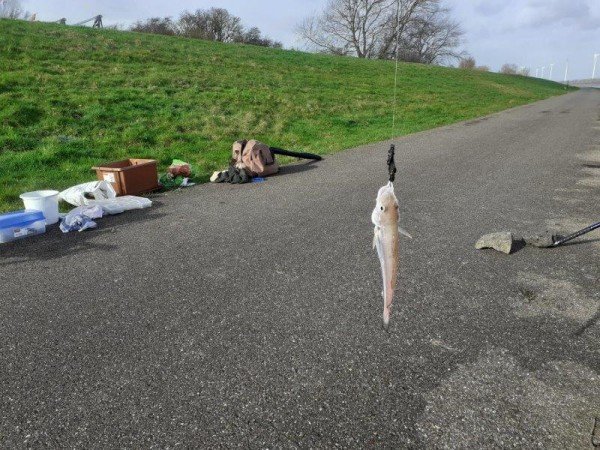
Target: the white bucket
pixel 45 201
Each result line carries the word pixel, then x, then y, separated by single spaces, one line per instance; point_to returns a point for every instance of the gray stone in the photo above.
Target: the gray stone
pixel 502 241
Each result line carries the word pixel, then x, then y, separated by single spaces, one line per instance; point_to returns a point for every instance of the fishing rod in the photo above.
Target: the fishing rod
pixel 570 237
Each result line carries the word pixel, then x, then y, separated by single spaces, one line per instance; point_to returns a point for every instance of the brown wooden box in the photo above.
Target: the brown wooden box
pixel 130 176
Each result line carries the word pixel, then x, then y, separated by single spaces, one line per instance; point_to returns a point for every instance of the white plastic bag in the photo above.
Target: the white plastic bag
pixel 78 195
pixel 80 219
pixel 120 204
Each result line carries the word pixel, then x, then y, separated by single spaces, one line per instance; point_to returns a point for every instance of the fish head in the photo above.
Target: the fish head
pixel 386 207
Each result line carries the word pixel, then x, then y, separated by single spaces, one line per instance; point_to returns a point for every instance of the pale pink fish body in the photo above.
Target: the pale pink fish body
pixel 385 219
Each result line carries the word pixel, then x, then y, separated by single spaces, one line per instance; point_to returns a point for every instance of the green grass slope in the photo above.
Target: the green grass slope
pixel 73 97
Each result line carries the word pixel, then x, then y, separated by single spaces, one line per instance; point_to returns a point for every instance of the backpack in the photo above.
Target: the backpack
pixel 255 158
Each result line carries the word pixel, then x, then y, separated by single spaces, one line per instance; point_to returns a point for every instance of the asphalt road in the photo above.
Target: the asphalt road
pixel 250 316
pixel 589 83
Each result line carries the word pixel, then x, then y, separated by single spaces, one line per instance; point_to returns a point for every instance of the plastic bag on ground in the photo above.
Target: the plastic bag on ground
pixel 118 205
pixel 80 194
pixel 80 219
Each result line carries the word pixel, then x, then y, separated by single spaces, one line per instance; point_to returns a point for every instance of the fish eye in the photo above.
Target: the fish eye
pixel 382 208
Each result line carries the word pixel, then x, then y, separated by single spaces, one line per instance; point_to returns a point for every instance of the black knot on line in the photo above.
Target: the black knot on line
pixel 391 164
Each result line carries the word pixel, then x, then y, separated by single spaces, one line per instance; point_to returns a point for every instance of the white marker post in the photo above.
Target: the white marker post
pixel 566 71
pixel 595 61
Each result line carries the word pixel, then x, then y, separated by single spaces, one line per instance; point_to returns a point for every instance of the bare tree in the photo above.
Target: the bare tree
pixel 483 68
pixel 467 63
pixel 214 24
pixel 430 36
pixel 156 25
pixel 349 27
pixel 509 69
pixel 254 37
pixel 405 13
pixel 525 71
pixel 11 9
pixel 368 29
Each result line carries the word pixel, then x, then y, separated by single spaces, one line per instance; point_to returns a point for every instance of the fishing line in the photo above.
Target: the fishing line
pixel 390 161
pixel 397 57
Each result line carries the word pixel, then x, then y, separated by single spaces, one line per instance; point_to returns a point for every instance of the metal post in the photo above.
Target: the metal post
pixel 97 22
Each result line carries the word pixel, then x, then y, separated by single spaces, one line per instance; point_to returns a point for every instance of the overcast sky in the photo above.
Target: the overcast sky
pixel 531 33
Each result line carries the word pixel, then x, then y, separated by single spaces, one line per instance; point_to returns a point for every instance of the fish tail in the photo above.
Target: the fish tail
pixel 386 319
pixel 388 293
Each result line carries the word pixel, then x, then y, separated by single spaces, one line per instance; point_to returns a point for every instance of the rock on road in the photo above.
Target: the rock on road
pixel 249 316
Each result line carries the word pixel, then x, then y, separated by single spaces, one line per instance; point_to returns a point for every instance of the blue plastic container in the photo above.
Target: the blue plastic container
pixel 20 224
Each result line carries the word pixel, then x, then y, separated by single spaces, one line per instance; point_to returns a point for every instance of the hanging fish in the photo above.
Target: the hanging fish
pixel 385 239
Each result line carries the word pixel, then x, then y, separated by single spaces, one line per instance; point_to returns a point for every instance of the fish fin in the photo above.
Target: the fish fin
pixel 404 232
pixel 375 236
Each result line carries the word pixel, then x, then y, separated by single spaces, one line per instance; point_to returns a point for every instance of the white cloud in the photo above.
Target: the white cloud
pixel 532 33
pixel 548 12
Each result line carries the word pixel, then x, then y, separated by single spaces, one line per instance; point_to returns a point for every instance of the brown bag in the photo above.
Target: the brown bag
pixel 255 157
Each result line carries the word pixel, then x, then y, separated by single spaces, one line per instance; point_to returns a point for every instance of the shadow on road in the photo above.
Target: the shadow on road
pixel 54 244
pixel 588 324
pixel 297 168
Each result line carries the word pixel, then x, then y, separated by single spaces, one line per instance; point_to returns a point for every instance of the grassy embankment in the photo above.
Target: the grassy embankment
pixel 73 97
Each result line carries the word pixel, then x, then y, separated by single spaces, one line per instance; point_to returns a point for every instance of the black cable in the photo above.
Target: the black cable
pixel 280 151
pixel 391 164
